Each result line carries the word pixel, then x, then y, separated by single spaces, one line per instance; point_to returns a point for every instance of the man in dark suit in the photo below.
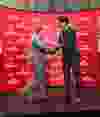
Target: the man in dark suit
pixel 71 59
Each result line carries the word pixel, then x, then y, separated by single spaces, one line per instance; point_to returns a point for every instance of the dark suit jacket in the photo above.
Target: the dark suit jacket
pixel 69 45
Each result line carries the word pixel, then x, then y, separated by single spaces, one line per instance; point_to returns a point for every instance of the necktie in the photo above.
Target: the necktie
pixel 61 38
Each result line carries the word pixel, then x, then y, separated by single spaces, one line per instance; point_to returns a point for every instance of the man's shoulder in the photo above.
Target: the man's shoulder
pixel 69 29
pixel 33 34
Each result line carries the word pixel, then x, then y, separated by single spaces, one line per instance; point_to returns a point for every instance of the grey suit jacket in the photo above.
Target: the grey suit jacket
pixel 37 56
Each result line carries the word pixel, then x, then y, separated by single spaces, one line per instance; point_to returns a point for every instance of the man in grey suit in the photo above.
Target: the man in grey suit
pixel 37 55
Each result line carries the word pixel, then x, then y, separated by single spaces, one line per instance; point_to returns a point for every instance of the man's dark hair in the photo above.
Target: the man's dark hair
pixel 63 19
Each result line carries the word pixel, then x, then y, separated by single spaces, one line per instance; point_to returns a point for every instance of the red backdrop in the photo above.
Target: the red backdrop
pixel 16 28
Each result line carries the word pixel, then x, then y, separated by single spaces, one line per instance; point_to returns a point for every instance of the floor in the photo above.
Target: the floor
pixel 89 100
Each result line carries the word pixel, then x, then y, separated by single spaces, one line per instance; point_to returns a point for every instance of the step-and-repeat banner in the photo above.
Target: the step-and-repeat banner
pixel 16 34
pixel 44 5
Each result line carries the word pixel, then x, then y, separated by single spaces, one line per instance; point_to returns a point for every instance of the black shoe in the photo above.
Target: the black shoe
pixel 34 101
pixel 68 100
pixel 77 100
pixel 44 98
pixel 26 101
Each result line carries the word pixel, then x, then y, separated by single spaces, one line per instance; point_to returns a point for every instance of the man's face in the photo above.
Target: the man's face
pixel 63 24
pixel 59 25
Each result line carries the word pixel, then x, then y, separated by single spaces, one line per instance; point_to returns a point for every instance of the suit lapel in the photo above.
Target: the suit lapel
pixel 61 38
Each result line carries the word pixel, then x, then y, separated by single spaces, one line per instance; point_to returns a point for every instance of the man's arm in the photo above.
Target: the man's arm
pixel 28 85
pixel 38 42
pixel 28 55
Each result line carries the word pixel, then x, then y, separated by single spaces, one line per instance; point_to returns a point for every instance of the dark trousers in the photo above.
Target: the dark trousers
pixel 72 76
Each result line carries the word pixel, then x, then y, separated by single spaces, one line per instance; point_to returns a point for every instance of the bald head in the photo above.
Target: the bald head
pixel 45 27
pixel 36 22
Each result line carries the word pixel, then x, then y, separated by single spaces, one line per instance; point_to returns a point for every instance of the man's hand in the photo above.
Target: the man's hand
pixel 22 91
pixel 28 55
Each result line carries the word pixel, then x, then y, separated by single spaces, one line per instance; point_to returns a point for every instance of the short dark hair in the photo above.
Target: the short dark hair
pixel 63 19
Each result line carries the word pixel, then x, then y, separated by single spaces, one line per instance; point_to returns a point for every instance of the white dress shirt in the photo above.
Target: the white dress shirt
pixel 38 38
pixel 58 35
